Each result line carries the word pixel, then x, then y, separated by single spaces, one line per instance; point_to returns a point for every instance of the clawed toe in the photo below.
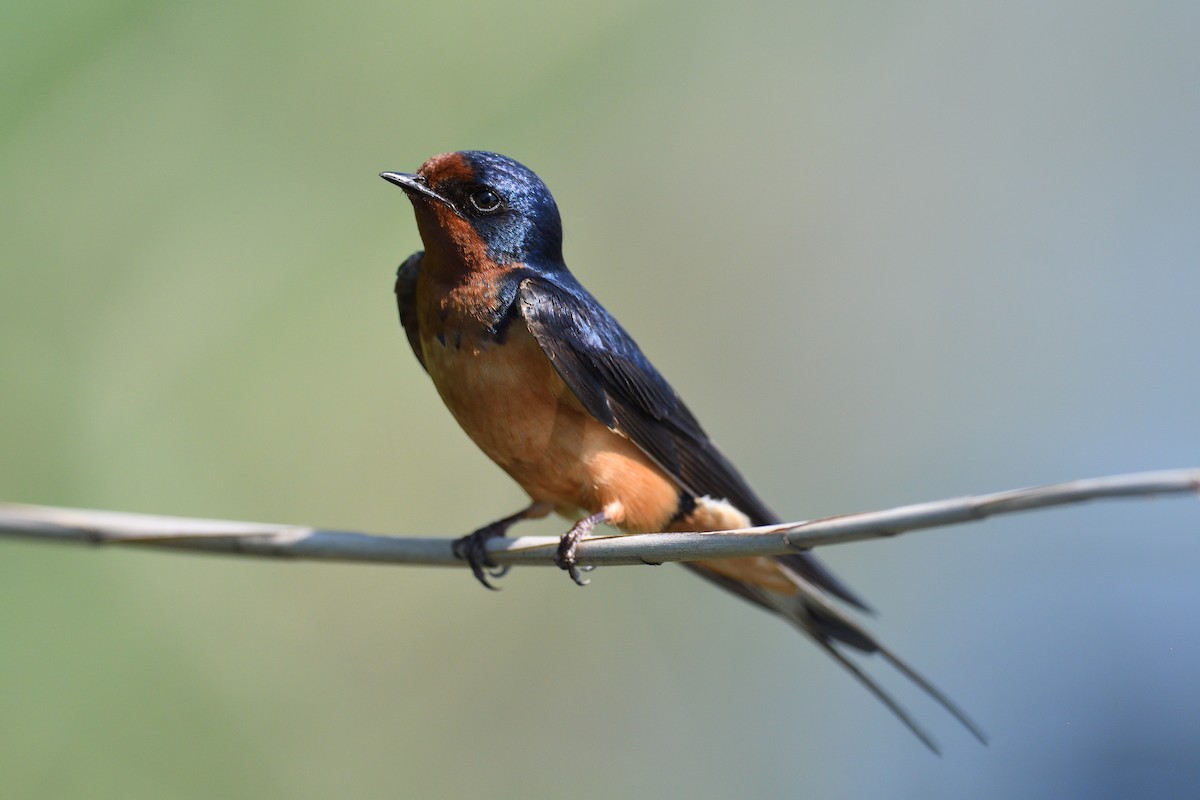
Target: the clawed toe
pixel 566 557
pixel 566 561
pixel 472 548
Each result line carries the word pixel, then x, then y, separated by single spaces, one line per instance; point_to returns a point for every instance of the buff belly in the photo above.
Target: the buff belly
pixel 510 401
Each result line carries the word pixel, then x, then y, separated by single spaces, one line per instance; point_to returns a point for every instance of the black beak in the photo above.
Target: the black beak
pixel 414 185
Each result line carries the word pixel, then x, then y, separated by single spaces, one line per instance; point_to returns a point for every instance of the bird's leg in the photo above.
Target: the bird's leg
pixel 568 546
pixel 472 548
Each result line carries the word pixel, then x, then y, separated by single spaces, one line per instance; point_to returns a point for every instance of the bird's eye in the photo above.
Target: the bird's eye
pixel 485 199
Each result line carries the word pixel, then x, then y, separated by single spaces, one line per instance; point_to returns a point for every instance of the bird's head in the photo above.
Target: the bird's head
pixel 474 205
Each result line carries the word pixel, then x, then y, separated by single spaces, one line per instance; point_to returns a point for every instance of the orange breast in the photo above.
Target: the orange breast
pixel 514 406
pixel 508 398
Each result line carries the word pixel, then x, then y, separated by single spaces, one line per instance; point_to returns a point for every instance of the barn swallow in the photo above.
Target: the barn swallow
pixel 550 386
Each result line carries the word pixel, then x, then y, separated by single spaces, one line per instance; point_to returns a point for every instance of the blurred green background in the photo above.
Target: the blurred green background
pixel 889 253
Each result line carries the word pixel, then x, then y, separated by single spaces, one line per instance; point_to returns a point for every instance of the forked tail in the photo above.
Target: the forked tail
pixel 812 609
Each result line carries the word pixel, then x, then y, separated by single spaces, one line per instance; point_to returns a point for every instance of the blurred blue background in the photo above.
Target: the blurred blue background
pixel 888 253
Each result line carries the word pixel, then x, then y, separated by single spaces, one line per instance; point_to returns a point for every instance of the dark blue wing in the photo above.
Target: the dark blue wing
pixel 611 377
pixel 618 385
pixel 406 301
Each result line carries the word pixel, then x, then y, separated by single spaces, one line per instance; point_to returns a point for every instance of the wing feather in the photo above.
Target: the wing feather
pixel 617 384
pixel 406 301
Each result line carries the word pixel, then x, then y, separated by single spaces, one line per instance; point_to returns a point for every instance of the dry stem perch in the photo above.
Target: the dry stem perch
pixel 45 523
pixel 244 538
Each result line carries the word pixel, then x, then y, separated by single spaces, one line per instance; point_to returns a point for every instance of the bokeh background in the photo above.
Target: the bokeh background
pixel 889 253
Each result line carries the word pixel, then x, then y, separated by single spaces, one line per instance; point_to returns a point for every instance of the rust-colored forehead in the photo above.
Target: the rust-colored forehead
pixel 446 166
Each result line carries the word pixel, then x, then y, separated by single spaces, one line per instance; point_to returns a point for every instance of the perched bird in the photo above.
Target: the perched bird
pixel 550 386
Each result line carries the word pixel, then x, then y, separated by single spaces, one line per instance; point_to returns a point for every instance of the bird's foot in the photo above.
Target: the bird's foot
pixel 472 548
pixel 566 556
